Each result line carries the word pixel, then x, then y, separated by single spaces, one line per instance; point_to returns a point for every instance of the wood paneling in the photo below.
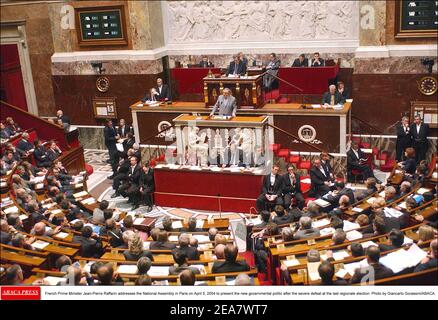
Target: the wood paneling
pixel 380 99
pixel 74 94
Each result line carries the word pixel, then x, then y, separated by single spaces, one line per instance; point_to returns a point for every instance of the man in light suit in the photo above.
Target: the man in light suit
pixel 226 103
pixel 419 131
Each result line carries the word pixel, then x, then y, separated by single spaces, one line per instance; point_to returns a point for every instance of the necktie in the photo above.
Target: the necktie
pixel 332 100
pixel 235 68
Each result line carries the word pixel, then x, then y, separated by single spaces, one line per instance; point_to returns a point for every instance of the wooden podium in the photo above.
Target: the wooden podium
pixel 246 89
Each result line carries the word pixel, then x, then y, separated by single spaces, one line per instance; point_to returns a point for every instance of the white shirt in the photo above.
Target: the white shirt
pixel 321 168
pixel 272 179
pixel 159 89
pixel 418 128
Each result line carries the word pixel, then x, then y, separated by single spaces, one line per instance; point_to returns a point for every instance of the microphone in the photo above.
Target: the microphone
pixel 219 203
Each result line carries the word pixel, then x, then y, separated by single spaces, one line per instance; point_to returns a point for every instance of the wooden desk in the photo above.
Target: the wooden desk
pixel 246 90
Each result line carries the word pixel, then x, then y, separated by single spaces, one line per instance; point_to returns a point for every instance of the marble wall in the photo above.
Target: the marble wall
pixel 198 21
pixel 40 44
pixel 393 65
pixel 223 60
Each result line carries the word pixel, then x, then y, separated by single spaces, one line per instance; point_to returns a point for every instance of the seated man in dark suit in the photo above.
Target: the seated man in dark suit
pixel 163 91
pixel 272 189
pixel 280 216
pixel 332 97
pixel 184 246
pixel 325 163
pixel 317 61
pixel 341 190
pixel 301 61
pixel 342 90
pixel 162 242
pixel 396 239
pixel 431 260
pixel 180 258
pixel 306 230
pixel 419 132
pixel 326 271
pixel 375 269
pixel 90 248
pixel 236 67
pixel 230 264
pixel 205 63
pixel 292 188
pixel 371 188
pixel 356 160
pixel 320 181
pixel 24 146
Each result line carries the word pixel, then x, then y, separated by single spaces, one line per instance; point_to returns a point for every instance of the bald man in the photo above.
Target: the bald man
pixel 332 97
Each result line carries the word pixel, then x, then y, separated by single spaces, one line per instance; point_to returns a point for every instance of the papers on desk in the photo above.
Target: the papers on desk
pixel 48 205
pixel 402 259
pixel 291 263
pixel 354 235
pixel 367 244
pixel 87 267
pixel 199 223
pixel 371 200
pixel 320 223
pixel 312 269
pixel 306 181
pixel 89 201
pixel 340 255
pixel 338 106
pixel 6 202
pixel 391 212
pixel 201 283
pixel 38 179
pixel 138 221
pixel 173 238
pixel 403 205
pixel 422 191
pixel 56 211
pixel 201 238
pixel 326 231
pixel 196 168
pixel 39 244
pixel 158 271
pixel 254 222
pixel 231 282
pixel 200 267
pixel 80 194
pixel 215 169
pixel 62 235
pixel 382 194
pixel 435 175
pixel 9 210
pixel 23 217
pixel 407 241
pixel 139 105
pixel 367 150
pixel 177 224
pixel 119 147
pixel 53 281
pixel 341 273
pixel 316 106
pixel 348 226
pixel 127 269
pixel 351 267
pixel 322 203
pixel 357 209
pixel 39 186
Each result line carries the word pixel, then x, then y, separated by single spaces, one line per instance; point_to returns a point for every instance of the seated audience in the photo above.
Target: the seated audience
pixel 144 264
pixel 301 61
pixel 430 261
pixel 187 278
pixel 320 180
pixel 237 67
pixel 205 63
pixel 371 188
pixel 332 97
pixel 356 160
pixel 184 246
pixel 326 272
pixel 396 240
pixel 306 231
pixel 292 189
pixel 281 216
pixel 90 248
pixel 317 61
pixel 162 242
pixel 230 264
pixel 181 262
pixel 374 271
pixel 135 249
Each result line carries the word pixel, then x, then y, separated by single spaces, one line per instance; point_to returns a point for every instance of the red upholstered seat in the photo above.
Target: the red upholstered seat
pixel 304 165
pixel 161 157
pixel 283 153
pixel 294 159
pixel 152 163
pixel 356 139
pixel 275 147
pixel 365 145
pixel 305 187
pixel 89 169
pixel 388 165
